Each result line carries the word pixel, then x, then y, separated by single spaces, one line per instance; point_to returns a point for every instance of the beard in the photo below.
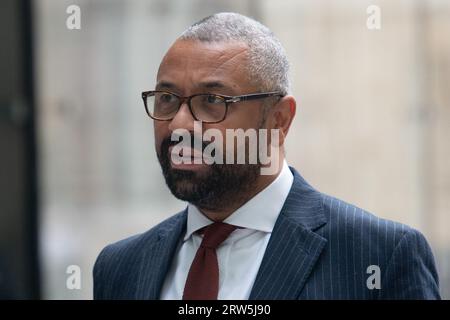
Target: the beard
pixel 214 187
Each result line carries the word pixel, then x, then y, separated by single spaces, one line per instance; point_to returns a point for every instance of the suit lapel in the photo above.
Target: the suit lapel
pixel 155 262
pixel 294 247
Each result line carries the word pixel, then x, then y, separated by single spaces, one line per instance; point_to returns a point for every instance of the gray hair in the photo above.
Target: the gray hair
pixel 268 66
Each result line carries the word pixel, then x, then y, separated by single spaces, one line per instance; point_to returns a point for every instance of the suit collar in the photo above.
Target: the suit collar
pixel 304 204
pixel 294 247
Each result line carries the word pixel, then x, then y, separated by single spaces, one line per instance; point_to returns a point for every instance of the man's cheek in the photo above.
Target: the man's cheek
pixel 160 129
pixel 159 138
pixel 158 146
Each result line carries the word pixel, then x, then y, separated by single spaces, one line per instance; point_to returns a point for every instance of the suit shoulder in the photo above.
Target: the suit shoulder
pixel 344 217
pixel 360 239
pixel 129 245
pixel 116 264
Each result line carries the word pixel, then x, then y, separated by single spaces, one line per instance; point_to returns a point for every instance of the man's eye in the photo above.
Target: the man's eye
pixel 213 99
pixel 166 98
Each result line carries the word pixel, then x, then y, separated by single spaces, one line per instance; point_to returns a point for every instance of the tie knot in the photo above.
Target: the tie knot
pixel 216 233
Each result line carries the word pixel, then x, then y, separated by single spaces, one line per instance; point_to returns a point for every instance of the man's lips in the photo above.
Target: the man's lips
pixel 194 153
pixel 195 160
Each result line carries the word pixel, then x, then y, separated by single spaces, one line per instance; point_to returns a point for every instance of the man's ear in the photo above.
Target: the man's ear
pixel 281 116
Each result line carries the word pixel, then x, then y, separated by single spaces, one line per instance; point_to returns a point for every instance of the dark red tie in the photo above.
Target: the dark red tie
pixel 203 279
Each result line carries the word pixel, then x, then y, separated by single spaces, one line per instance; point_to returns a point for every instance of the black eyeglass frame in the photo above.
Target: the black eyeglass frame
pixel 226 99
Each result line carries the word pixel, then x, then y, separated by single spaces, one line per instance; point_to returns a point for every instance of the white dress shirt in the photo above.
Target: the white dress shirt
pixel 240 255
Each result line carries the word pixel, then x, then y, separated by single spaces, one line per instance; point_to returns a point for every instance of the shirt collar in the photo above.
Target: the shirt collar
pixel 259 213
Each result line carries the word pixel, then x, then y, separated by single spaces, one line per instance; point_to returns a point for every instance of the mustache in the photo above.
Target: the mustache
pixel 175 139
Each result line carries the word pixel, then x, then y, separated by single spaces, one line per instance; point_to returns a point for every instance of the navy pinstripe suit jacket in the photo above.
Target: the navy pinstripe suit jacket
pixel 320 248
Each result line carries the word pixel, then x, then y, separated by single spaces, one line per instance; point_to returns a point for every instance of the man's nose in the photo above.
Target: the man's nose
pixel 183 119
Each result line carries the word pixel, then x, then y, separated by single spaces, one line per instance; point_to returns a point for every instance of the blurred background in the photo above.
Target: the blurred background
pixel 78 167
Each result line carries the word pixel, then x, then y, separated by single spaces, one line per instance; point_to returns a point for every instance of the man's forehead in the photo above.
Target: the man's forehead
pixel 203 61
pixel 208 53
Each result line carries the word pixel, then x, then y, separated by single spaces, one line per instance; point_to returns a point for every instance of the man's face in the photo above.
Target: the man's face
pixel 192 67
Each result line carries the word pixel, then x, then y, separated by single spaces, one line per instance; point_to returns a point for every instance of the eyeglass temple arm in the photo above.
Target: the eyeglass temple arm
pixel 254 96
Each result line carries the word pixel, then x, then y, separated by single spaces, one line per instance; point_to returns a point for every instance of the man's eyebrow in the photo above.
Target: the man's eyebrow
pixel 162 85
pixel 212 84
pixel 165 85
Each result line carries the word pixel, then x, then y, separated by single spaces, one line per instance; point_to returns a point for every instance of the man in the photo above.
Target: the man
pixel 246 234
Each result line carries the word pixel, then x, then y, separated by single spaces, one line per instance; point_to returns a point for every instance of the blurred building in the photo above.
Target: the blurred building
pixel 372 126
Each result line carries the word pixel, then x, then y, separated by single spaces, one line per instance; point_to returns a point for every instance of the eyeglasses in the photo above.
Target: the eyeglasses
pixel 205 107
